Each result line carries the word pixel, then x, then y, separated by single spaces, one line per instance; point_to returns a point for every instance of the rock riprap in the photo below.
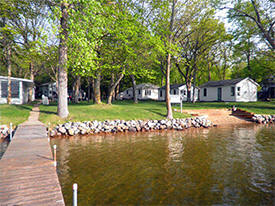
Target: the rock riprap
pixel 4 131
pixel 114 126
pixel 263 119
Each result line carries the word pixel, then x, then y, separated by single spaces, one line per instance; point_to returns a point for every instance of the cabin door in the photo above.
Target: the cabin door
pixel 219 94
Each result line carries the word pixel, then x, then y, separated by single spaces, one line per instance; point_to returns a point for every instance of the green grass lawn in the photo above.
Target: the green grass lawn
pixel 255 107
pixel 14 113
pixel 125 110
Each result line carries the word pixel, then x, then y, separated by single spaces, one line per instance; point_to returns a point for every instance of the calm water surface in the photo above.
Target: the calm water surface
pixel 4 143
pixel 218 166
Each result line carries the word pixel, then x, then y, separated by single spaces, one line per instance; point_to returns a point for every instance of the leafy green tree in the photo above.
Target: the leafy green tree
pixel 258 13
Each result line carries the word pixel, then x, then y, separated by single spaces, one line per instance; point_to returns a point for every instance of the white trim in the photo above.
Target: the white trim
pixel 17 79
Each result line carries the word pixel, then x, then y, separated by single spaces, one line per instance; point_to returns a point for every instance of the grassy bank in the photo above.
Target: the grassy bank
pixel 14 113
pixel 255 107
pixel 125 110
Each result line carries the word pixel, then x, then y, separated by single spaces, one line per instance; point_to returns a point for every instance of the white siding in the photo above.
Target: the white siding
pixel 23 94
pixel 248 92
pixel 176 98
pixel 226 94
pixel 141 95
pixel 153 95
pixel 211 94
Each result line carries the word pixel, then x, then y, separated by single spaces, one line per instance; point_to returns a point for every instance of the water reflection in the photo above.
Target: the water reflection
pixel 218 166
pixel 4 143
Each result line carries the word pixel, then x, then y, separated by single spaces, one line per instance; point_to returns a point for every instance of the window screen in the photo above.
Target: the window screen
pixel 14 89
pixel 4 89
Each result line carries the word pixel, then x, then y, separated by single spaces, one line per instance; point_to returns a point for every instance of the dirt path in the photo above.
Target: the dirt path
pixel 218 116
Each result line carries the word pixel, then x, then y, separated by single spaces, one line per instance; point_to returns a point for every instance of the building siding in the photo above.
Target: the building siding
pixel 247 93
pixel 175 98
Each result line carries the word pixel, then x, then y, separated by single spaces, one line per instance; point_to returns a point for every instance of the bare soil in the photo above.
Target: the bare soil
pixel 218 116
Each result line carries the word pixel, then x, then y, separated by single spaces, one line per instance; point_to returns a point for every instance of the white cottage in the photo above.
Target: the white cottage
pixel 178 92
pixel 20 89
pixel 48 89
pixel 144 91
pixel 233 90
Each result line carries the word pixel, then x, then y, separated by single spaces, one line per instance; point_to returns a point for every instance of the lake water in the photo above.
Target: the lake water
pixel 4 143
pixel 232 165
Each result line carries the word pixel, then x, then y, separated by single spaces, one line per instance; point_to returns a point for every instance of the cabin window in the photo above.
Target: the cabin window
pixel 127 92
pixel 148 92
pixel 160 93
pixel 232 91
pixel 238 91
pixel 4 89
pixel 184 92
pixel 175 91
pixel 205 92
pixel 139 91
pixel 14 89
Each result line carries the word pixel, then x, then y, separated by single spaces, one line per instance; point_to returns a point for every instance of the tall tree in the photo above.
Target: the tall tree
pixel 62 108
pixel 258 12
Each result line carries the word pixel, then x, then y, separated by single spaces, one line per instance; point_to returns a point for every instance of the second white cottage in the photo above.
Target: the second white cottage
pixel 231 90
pixel 178 93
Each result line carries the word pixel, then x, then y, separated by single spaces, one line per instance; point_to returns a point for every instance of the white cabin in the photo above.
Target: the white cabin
pixel 20 89
pixel 48 89
pixel 233 90
pixel 144 91
pixel 178 93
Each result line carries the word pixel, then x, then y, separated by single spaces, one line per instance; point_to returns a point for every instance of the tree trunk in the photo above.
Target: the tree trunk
pixel 76 88
pixel 188 87
pixel 97 93
pixel 9 74
pixel 168 65
pixel 32 78
pixel 209 72
pixel 93 89
pixel 62 109
pixel 89 89
pixel 135 98
pixel 194 87
pixel 112 88
pixel 167 89
pixel 117 91
pixel 110 85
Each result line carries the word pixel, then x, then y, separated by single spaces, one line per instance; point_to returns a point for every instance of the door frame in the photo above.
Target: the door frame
pixel 219 94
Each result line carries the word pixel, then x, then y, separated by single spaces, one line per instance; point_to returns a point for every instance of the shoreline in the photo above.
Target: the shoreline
pixel 204 121
pixel 122 126
pixel 135 126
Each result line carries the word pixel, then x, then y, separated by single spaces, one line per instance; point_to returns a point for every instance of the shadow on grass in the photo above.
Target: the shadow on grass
pixel 156 112
pixel 47 112
pixel 23 107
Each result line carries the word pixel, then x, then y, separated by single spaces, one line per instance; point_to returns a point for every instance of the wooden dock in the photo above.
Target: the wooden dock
pixel 27 173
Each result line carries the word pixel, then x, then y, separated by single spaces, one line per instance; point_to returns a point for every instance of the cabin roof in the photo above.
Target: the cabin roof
pixel 147 86
pixel 226 82
pixel 16 79
pixel 173 86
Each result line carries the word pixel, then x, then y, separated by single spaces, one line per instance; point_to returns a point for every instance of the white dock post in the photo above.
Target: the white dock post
pixel 10 131
pixel 54 156
pixel 74 194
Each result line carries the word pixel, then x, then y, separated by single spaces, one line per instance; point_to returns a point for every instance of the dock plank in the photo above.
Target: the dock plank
pixel 27 173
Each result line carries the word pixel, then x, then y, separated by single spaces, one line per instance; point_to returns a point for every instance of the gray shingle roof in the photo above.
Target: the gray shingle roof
pixel 147 86
pixel 226 82
pixel 173 86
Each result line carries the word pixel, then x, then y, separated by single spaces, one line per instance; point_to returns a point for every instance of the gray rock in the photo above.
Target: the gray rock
pixel 62 130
